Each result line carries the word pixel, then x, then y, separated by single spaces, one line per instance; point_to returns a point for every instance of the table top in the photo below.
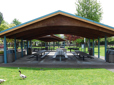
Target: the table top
pixel 70 48
pixel 74 48
pixel 41 51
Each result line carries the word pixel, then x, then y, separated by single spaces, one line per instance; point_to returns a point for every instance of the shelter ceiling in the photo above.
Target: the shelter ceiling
pixel 60 24
pixel 50 38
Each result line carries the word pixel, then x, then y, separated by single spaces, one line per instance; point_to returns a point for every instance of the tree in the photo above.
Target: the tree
pixel 1 18
pixel 57 35
pixel 16 22
pixel 4 25
pixel 73 38
pixel 90 9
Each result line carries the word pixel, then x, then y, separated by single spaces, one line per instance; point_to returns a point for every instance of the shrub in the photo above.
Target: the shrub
pixel 1 52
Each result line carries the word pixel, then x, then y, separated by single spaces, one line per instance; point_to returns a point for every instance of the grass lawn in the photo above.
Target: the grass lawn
pixel 102 49
pixel 56 76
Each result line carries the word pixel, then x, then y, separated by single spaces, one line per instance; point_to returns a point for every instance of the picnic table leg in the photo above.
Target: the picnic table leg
pixel 37 57
pixel 60 58
pixel 83 58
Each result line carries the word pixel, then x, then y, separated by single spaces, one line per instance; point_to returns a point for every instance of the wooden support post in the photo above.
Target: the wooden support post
pixel 41 45
pixel 15 48
pixel 45 45
pixel 31 44
pixel 49 45
pixel 53 45
pixel 5 50
pixel 64 44
pixel 24 45
pixel 84 44
pixel 21 47
pixel 89 43
pixel 28 44
pixel 58 44
pixel 105 46
pixel 98 47
pixel 93 46
pixel 27 47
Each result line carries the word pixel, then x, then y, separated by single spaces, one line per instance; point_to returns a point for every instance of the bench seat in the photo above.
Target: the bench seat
pixel 83 55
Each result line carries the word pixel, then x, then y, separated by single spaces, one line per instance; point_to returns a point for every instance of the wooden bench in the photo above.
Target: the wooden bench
pixel 83 55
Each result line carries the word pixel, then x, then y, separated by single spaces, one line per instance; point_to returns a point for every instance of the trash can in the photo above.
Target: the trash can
pixel 1 58
pixel 10 56
pixel 107 55
pixel 10 51
pixel 90 51
pixel 111 56
pixel 29 51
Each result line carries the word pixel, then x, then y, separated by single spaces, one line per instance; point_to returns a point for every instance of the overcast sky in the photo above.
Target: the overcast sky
pixel 26 10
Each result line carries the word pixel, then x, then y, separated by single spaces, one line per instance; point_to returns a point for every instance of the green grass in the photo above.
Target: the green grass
pixel 57 76
pixel 102 50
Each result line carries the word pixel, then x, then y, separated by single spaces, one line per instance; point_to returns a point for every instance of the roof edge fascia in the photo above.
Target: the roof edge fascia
pixel 53 14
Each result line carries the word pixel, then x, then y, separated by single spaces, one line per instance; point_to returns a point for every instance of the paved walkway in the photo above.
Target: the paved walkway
pixel 71 62
pixel 109 68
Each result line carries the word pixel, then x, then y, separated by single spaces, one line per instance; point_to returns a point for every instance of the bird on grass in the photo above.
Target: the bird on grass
pixel 2 80
pixel 22 75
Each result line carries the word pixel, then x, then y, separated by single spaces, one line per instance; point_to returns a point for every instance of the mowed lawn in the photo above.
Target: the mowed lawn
pixel 56 76
pixel 102 49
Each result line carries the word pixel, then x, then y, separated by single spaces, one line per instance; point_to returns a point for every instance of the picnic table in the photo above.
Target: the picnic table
pixel 83 54
pixel 73 49
pixel 60 54
pixel 39 54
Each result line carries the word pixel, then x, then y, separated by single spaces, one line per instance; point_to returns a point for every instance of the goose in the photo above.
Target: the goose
pixel 22 76
pixel 2 80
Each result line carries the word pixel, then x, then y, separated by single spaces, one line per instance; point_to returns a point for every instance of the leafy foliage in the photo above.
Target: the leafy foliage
pixel 58 35
pixel 79 40
pixel 109 39
pixel 16 22
pixel 71 37
pixel 90 9
pixel 4 25
pixel 1 17
pixel 1 52
pixel 35 40
pixel 74 38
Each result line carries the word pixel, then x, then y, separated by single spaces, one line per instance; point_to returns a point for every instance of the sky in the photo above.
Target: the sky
pixel 26 10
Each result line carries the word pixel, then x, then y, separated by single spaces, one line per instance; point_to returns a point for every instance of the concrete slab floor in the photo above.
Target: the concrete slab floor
pixel 72 61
